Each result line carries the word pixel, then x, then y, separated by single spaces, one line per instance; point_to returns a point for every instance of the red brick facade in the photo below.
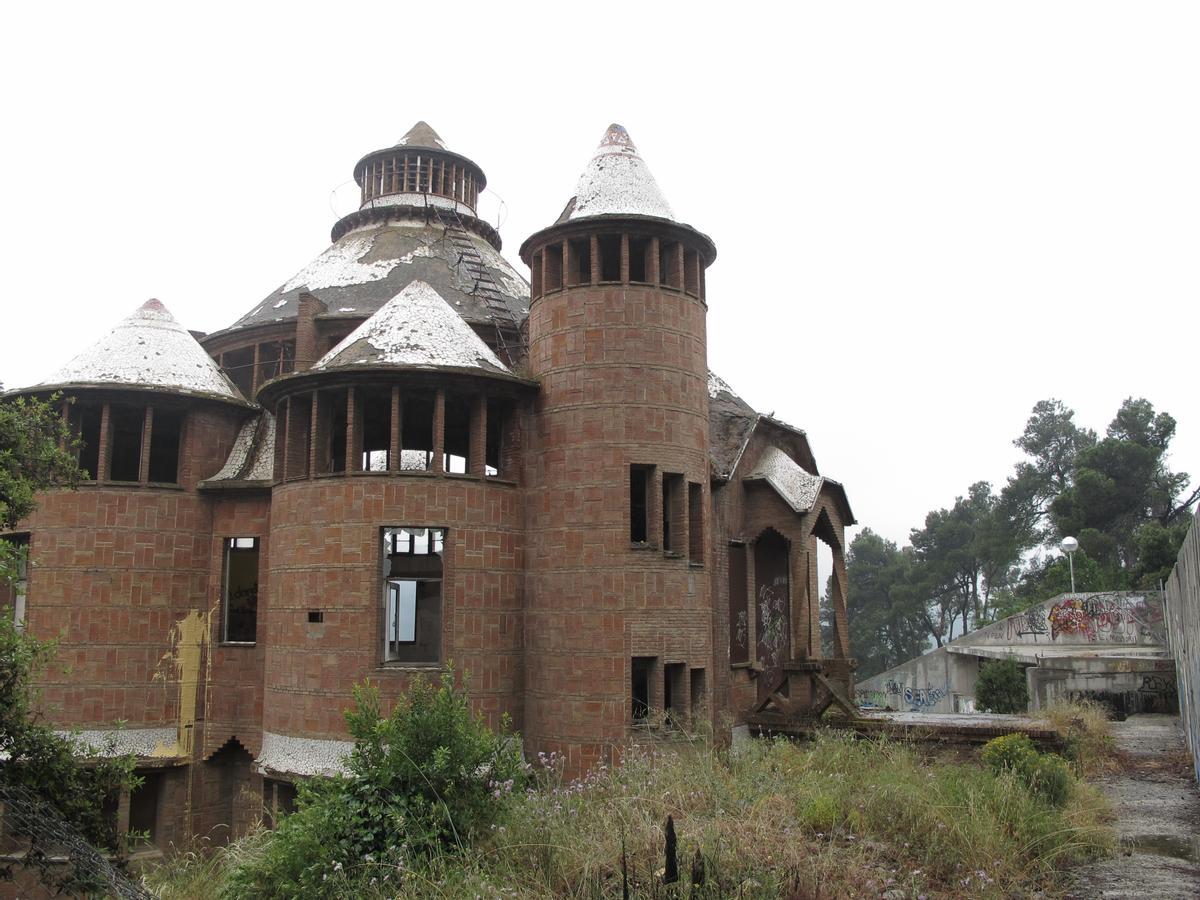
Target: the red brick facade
pixel 585 574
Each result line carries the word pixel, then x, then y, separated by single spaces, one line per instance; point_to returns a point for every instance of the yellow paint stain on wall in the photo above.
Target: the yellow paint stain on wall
pixel 181 665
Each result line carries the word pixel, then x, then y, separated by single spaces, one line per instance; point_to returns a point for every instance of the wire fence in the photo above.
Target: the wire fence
pixel 25 814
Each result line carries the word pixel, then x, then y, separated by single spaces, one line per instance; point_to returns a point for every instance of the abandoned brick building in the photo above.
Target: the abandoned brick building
pixel 408 455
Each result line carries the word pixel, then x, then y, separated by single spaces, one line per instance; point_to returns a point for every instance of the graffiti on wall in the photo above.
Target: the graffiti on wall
pixel 895 693
pixel 1158 685
pixel 772 613
pixel 923 698
pixel 1114 618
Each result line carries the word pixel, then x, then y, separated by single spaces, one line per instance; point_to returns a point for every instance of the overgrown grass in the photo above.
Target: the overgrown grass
pixel 834 817
pixel 1084 727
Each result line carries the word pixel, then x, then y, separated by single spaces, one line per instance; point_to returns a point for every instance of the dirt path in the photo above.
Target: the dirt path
pixel 1158 817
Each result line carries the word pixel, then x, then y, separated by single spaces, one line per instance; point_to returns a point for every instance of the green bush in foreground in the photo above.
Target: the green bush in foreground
pixel 1001 687
pixel 1046 774
pixel 428 777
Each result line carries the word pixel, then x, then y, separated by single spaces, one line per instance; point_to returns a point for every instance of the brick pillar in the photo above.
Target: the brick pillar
pixel 439 431
pixel 144 460
pixel 254 374
pixel 314 430
pixel 353 455
pixel 595 245
pixel 624 258
pixel 396 422
pixel 652 274
pixel 478 452
pixel 102 467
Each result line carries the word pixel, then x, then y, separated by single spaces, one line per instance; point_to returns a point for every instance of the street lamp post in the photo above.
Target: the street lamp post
pixel 1069 546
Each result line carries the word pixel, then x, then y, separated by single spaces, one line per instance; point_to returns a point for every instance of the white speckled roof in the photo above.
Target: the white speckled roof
pixel 416 328
pixel 797 487
pixel 617 181
pixel 148 349
pixel 302 756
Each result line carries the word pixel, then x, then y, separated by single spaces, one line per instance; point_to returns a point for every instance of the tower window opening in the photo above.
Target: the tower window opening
pixel 85 424
pixel 639 249
pixel 126 424
pixel 275 358
pixel 298 435
pixel 239 366
pixel 499 416
pixel 331 432
pixel 579 253
pixel 456 451
pixel 239 598
pixel 674 691
pixel 610 257
pixel 165 433
pixel 691 272
pixel 416 439
pixel 375 408
pixel 535 275
pixel 410 173
pixel 641 671
pixel 639 503
pixel 552 274
pixel 670 265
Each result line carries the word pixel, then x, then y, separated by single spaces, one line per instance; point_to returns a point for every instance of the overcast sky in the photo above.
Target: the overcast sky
pixel 928 216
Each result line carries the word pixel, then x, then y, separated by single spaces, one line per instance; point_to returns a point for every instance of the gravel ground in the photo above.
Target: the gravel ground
pixel 1157 810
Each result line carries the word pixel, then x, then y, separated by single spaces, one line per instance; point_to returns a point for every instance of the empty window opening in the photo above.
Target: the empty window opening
pixel 316 616
pixel 535 275
pixel 85 424
pixel 412 594
pixel 239 366
pixel 499 414
pixel 669 264
pixel 639 248
pixel 125 427
pixel 639 503
pixel 674 691
pixel 699 701
pixel 165 432
pixel 672 514
pixel 610 257
pixel 641 670
pixel 279 800
pixel 376 429
pixel 417 434
pixel 739 611
pixel 691 272
pixel 826 590
pixel 552 277
pixel 240 594
pixel 143 808
pixel 275 358
pixel 580 257
pixel 13 594
pixel 456 451
pixel 331 432
pixel 695 522
pixel 299 435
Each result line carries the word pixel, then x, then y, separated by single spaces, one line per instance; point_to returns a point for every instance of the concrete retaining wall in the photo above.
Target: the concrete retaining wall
pixel 1182 608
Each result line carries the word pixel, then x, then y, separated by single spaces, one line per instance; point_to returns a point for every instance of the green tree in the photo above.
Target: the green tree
pixel 1001 687
pixel 37 454
pixel 887 617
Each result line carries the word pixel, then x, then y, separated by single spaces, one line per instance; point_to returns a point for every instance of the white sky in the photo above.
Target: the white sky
pixel 928 216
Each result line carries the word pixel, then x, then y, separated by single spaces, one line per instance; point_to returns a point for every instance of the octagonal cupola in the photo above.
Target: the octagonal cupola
pixel 618 228
pixel 419 170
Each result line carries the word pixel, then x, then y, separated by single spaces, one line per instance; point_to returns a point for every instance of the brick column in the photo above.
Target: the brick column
pixel 624 258
pixel 652 273
pixel 394 446
pixel 478 452
pixel 144 460
pixel 439 431
pixel 314 422
pixel 102 458
pixel 595 245
pixel 353 460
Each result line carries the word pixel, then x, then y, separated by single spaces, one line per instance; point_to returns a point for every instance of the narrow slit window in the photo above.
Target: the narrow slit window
pixel 553 278
pixel 499 416
pixel 695 523
pixel 641 671
pixel 456 451
pixel 240 594
pixel 639 247
pixel 672 514
pixel 417 434
pixel 581 262
pixel 376 430
pixel 674 687
pixel 639 503
pixel 85 424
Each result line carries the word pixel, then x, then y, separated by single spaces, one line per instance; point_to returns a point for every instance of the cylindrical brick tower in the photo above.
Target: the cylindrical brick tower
pixel 618 623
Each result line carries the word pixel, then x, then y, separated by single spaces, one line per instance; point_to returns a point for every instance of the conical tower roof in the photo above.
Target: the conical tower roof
pixel 417 328
pixel 422 135
pixel 617 181
pixel 149 349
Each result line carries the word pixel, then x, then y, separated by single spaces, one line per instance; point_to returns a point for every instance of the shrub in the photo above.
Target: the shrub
pixel 1084 727
pixel 428 776
pixel 1001 687
pixel 1046 775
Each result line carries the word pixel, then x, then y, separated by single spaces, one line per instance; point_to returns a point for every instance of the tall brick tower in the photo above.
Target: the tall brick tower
pixel 618 606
